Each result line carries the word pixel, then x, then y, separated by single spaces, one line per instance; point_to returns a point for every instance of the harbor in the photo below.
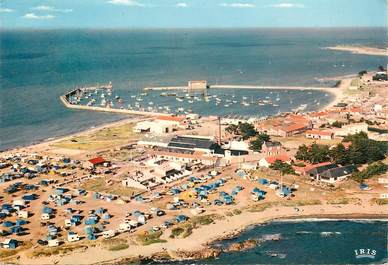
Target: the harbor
pixel 201 98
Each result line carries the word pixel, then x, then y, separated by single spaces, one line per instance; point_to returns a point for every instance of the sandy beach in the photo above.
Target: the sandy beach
pixel 360 50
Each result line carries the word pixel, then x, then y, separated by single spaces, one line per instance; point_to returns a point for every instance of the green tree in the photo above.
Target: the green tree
pixel 232 128
pixel 364 150
pixel 314 154
pixel 284 168
pixel 337 124
pixel 302 153
pixel 361 73
pixel 372 170
pixel 256 144
pixel 247 130
pixel 339 155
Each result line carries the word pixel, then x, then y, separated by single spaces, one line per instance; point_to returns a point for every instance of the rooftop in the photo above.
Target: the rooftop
pixel 192 142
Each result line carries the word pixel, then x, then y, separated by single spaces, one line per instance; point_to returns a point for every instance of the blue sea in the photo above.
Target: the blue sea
pixel 308 242
pixel 37 66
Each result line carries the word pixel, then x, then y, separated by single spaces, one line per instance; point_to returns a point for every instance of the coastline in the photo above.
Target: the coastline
pixel 204 236
pixel 198 244
pixel 336 92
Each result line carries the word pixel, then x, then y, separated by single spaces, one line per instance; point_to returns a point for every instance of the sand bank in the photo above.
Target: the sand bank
pixel 360 50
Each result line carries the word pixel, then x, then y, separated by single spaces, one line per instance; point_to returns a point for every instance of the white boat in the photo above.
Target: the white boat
pixel 179 99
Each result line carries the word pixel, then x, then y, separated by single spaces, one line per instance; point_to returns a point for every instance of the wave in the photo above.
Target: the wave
pixel 326 234
pixel 304 232
pixel 269 237
pixel 302 220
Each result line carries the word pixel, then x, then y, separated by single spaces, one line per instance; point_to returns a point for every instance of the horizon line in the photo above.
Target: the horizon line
pixel 189 28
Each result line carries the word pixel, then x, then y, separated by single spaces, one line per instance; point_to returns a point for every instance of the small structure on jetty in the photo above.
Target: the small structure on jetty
pixel 197 84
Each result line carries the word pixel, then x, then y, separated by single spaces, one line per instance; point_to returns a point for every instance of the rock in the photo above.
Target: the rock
pixel 209 252
pixel 247 244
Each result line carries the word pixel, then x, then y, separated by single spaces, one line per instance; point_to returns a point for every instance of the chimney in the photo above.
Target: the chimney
pixel 219 130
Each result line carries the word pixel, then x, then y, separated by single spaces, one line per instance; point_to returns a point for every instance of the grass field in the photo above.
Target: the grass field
pixel 115 244
pixel 101 139
pixel 100 185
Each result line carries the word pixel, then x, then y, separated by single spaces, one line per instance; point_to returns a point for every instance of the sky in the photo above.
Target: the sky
pixel 191 13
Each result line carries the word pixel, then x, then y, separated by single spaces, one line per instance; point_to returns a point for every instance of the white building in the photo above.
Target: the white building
pixel 351 129
pixel 156 127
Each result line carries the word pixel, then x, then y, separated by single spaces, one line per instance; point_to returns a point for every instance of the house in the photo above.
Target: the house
pixel 317 170
pixel 159 127
pixel 337 174
pixel 352 128
pixel 268 161
pixel 331 173
pixel 94 162
pixel 303 170
pixel 182 156
pixel 272 148
pixel 319 134
pixel 292 129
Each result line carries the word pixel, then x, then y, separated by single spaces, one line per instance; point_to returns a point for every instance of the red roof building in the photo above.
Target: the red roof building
pixel 97 161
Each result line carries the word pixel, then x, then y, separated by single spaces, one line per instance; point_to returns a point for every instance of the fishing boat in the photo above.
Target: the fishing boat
pixel 179 99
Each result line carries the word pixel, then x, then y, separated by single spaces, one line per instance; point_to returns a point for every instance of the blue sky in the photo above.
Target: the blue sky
pixel 191 13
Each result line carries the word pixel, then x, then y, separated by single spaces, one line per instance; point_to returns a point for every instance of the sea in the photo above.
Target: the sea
pixel 308 241
pixel 37 66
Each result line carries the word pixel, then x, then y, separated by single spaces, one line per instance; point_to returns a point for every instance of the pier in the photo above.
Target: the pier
pixel 69 105
pixel 241 87
pixel 270 87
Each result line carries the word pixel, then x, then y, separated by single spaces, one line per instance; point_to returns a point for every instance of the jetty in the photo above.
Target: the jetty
pixel 78 91
pixel 203 85
pixel 270 87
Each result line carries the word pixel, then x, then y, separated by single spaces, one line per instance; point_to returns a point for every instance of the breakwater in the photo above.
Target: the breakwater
pixel 226 86
pixel 65 101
